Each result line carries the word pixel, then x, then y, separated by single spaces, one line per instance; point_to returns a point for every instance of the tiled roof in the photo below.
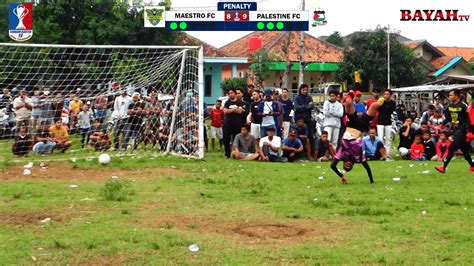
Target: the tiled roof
pixel 441 61
pixel 209 50
pixel 316 50
pixel 465 52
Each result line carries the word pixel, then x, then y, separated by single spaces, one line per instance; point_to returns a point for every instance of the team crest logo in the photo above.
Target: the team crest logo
pixel 20 21
pixel 319 17
pixel 154 16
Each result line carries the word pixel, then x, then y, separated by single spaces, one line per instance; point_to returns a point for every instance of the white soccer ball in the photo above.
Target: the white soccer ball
pixel 104 158
pixel 404 151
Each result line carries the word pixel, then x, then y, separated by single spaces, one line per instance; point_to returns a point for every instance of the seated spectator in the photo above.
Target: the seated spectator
pixel 407 134
pixel 436 124
pixel 302 134
pixel 75 106
pixel 324 150
pixel 23 142
pixel 244 145
pixel 59 135
pixel 442 147
pixel 428 113
pixel 292 147
pixel 373 146
pixel 99 138
pixel 44 144
pixel 430 149
pixel 423 128
pixel 417 150
pixel 187 141
pixel 270 146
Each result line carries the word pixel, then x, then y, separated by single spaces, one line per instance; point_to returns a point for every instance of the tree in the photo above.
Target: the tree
pixel 89 22
pixel 368 55
pixel 336 39
pixel 260 68
pixel 234 83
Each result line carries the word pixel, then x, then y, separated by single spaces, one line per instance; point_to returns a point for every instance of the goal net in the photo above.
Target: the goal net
pixel 106 97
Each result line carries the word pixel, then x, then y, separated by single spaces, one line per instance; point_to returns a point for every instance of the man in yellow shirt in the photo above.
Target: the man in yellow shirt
pixel 60 136
pixel 75 106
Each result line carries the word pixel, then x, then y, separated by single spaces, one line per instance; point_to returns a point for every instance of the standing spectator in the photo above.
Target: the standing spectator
pixel 417 150
pixel 136 112
pixel 217 120
pixel 430 149
pixel 99 138
pixel 373 146
pixel 375 97
pixel 256 118
pixel 324 149
pixel 59 135
pixel 120 114
pixel 23 106
pixel 279 125
pixel 270 112
pixel 302 134
pixel 333 112
pixel 47 111
pixel 244 145
pixel 57 106
pixel 44 144
pixel 85 118
pixel 442 147
pixel 358 105
pixel 287 109
pixel 401 112
pixel 304 105
pixel 436 124
pixel 233 111
pixel 292 147
pixel 249 93
pixel 458 120
pixel 407 135
pixel 75 106
pixel 36 111
pixel 439 103
pixel 23 142
pixel 5 99
pixel 384 120
pixel 239 94
pixel 427 114
pixel 100 106
pixel 270 146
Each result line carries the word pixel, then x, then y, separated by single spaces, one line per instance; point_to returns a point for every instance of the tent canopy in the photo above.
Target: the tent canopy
pixel 435 88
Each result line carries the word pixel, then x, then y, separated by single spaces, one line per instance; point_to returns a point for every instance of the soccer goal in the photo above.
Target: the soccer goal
pixel 106 97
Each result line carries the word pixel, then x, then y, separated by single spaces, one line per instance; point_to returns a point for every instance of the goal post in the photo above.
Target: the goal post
pixel 142 97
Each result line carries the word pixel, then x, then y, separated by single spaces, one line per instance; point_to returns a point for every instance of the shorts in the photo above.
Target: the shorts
pixel 216 132
pixel 255 130
pixel 360 123
pixel 352 147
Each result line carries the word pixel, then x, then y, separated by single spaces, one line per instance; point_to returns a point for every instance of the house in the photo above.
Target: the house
pixel 465 52
pixel 436 61
pixel 322 59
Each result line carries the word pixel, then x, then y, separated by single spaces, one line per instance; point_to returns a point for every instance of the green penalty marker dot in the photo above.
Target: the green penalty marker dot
pixel 270 25
pixel 280 25
pixel 260 25
pixel 183 25
pixel 173 25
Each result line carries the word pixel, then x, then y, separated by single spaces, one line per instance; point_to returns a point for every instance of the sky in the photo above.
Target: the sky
pixel 347 16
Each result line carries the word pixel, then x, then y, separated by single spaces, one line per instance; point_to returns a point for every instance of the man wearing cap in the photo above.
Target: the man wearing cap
pixel 22 106
pixel 358 105
pixel 269 110
pixel 269 147
pixel 120 114
pixel 292 147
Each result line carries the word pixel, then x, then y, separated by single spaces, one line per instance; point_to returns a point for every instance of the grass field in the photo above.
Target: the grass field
pixel 237 213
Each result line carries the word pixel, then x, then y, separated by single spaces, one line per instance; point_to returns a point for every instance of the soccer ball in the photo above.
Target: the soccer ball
pixel 404 151
pixel 104 158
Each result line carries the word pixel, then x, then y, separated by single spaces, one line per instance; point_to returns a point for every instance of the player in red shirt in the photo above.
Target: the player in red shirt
pixel 376 97
pixel 217 120
pixel 417 150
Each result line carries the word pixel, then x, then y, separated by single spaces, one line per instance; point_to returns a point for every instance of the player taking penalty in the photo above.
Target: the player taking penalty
pixel 350 150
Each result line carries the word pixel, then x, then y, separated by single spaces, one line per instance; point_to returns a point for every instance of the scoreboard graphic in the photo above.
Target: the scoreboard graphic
pixel 236 16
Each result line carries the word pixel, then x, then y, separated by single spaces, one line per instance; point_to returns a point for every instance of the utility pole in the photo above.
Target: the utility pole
pixel 388 57
pixel 302 63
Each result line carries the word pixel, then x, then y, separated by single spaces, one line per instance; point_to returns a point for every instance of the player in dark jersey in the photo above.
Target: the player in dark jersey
pixel 458 120
pixel 350 150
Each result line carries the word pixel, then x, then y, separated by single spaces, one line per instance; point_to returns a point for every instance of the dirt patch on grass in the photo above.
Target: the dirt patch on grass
pixel 54 215
pixel 257 232
pixel 69 172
